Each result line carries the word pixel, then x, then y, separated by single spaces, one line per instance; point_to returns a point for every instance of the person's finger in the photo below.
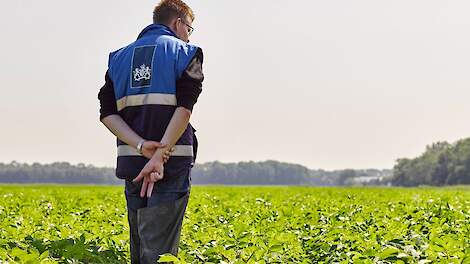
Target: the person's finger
pixel 143 172
pixel 150 189
pixel 144 187
pixel 139 177
pixel 166 156
pixel 158 176
pixel 153 177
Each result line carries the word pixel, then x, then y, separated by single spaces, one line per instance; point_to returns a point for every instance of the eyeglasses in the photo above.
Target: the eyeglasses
pixel 190 28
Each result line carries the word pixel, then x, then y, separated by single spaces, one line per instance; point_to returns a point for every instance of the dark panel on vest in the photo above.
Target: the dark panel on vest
pixel 142 63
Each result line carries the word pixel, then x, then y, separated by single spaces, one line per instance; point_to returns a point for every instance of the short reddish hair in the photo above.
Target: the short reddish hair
pixel 167 10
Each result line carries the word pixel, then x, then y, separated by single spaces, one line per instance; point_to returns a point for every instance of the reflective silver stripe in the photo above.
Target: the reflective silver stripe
pixel 180 150
pixel 144 99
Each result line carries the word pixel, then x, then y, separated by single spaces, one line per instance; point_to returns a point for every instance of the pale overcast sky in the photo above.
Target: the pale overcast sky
pixel 327 84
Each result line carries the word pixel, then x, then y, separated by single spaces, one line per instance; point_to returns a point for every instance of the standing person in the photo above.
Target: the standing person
pixel 150 89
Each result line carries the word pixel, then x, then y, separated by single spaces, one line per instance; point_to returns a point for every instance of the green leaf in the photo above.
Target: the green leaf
pixel 44 255
pixel 389 252
pixel 276 248
pixel 168 258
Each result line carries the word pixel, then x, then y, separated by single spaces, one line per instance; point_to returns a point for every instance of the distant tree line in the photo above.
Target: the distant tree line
pixel 250 173
pixel 241 173
pixel 276 173
pixel 57 172
pixel 441 164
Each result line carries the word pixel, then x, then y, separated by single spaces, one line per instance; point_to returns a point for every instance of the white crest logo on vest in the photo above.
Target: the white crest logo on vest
pixel 142 73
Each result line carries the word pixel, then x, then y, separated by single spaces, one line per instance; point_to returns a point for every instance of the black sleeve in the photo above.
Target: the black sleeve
pixel 189 85
pixel 107 98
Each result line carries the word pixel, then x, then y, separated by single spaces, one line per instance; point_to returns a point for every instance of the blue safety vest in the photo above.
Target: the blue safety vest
pixel 144 76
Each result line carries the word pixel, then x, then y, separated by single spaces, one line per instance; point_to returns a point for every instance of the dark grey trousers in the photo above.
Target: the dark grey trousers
pixel 155 222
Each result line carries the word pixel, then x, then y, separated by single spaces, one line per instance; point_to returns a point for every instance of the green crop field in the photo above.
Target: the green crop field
pixel 88 224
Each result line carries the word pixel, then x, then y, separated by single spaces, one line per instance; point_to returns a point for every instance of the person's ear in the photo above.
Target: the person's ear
pixel 175 24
